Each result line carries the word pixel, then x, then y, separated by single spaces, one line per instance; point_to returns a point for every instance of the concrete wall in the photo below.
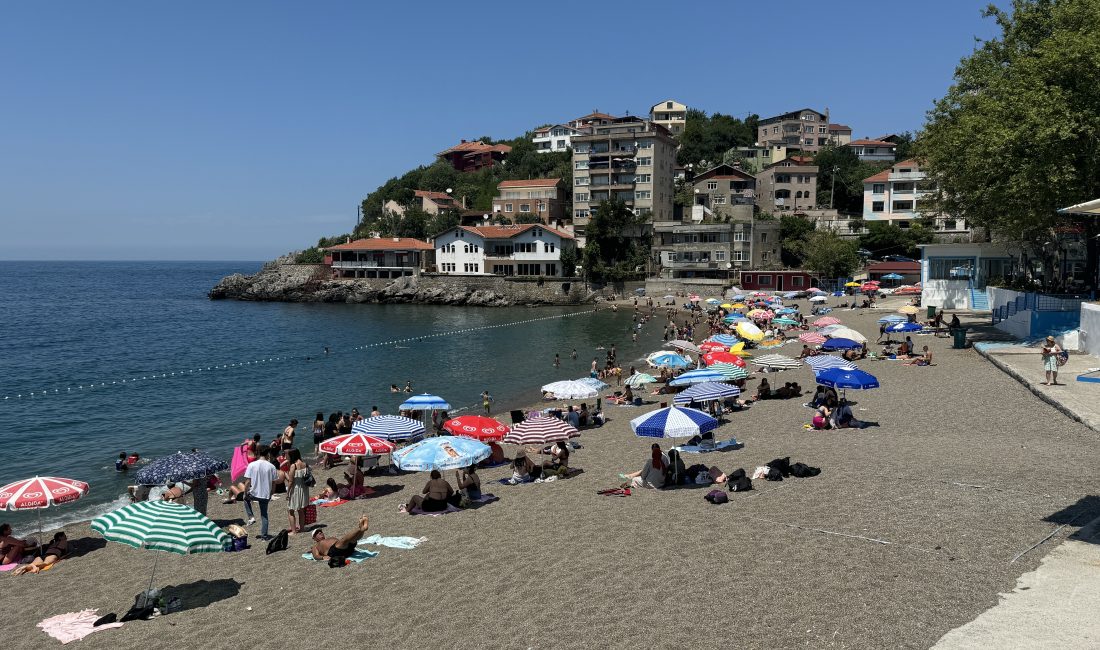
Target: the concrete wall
pixel 948 294
pixel 1090 328
pixel 656 288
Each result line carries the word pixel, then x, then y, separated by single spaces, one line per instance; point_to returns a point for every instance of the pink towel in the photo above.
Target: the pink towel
pixel 74 626
pixel 8 567
pixel 239 463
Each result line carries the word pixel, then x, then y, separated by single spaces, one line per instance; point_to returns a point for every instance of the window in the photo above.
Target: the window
pixel 580 147
pixel 447 268
pixel 878 206
pixel 719 256
pixel 747 278
pixel 764 280
pixel 580 181
pixel 803 179
pixel 527 269
pixel 581 196
pixel 798 194
pixel 796 281
pixel 542 206
pixel 550 247
pixel 551 269
pixel 643 178
pixel 712 185
pixel 949 268
pixel 645 161
pixel 739 235
pixel 903 206
pixel 809 141
pixel 524 207
pixel 868 151
pixel 822 129
pixel 763 238
pixel 782 194
pixel 471 268
pixel 808 129
pixel 668 105
pixel 580 214
pixel 904 225
pixel 581 164
pixel 645 144
pixel 644 194
pixel 775 129
pixel 465 248
pixel 719 199
pixel 949 224
pixel 764 256
pixel 905 170
pixel 739 256
pixel 782 178
pixel 507 207
pixel 878 188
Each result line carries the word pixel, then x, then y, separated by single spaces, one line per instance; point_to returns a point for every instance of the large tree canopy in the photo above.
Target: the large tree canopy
pixel 708 138
pixel 612 251
pixel 825 253
pixel 841 168
pixel 1018 134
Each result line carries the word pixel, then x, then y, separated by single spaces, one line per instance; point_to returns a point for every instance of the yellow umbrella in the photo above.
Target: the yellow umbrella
pixel 851 284
pixel 909 309
pixel 739 350
pixel 749 331
pixel 738 305
pixel 726 305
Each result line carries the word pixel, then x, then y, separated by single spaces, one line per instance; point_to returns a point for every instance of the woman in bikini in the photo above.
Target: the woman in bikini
pixel 57 549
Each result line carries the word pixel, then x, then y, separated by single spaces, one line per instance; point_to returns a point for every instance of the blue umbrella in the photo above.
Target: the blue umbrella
pixel 840 344
pixel 389 427
pixel 786 310
pixel 893 276
pixel 442 453
pixel 697 377
pixel 673 422
pixel 737 298
pixel 424 402
pixel 735 318
pixel 844 379
pixel 180 467
pixel 706 392
pixel 725 339
pixel 668 359
pixel 905 327
pixel 893 318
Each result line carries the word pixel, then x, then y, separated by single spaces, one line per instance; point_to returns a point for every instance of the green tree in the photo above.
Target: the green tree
pixel 568 258
pixel 825 253
pixel 614 248
pixel 884 238
pixel 445 220
pixel 839 167
pixel 794 229
pixel 904 146
pixel 710 137
pixel 1017 135
pixel 527 217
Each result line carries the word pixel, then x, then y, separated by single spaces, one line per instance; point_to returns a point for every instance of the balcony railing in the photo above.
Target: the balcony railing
pixel 907 176
pixel 371 265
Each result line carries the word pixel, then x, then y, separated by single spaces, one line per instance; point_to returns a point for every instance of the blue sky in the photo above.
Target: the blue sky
pixel 241 130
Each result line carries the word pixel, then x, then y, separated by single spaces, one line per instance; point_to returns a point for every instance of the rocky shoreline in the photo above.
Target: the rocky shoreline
pixel 285 281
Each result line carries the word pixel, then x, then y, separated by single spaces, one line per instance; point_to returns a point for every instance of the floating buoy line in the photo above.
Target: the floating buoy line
pixel 68 390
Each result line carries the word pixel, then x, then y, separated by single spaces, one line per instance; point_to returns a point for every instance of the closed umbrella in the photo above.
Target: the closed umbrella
pixel 541 431
pixel 424 402
pixel 570 389
pixel 639 379
pixel 178 467
pixel 707 392
pixel 357 444
pixel 697 377
pixel 673 422
pixel 389 427
pixel 442 453
pixel 477 427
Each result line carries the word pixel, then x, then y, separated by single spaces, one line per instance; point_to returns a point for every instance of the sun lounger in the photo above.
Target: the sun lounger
pixel 726 445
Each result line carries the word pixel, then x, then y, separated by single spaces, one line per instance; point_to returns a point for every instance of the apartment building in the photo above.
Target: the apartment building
pixel 555 138
pixel 755 158
pixel 518 250
pixel 840 134
pixel 787 186
pixel 895 195
pixel 472 156
pixel 804 129
pixel 595 118
pixel 629 159
pixel 544 197
pixel 873 150
pixel 670 114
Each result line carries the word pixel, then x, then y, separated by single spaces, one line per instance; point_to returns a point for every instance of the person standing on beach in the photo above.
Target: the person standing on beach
pixel 1051 351
pixel 557 360
pixel 297 491
pixel 288 436
pixel 259 477
pixel 486 401
pixel 595 368
pixel 573 356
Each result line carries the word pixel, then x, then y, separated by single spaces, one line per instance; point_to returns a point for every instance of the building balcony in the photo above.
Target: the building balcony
pixel 697 265
pixel 614 152
pixel 371 265
pixel 908 176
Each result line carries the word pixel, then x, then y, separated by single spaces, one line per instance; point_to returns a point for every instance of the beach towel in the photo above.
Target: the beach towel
pixel 331 503
pixel 394 542
pixel 475 503
pixel 8 567
pixel 358 555
pixel 614 492
pixel 74 626
pixel 238 464
pixel 696 449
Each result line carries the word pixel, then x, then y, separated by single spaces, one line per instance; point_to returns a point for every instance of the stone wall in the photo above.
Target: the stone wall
pixel 703 286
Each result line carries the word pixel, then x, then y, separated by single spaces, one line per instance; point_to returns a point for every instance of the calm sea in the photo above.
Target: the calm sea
pixel 102 357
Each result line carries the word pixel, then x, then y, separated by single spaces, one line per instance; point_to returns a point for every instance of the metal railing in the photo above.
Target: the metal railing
pixel 1038 302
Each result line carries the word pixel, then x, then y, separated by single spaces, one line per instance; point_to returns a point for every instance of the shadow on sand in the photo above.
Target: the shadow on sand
pixel 201 593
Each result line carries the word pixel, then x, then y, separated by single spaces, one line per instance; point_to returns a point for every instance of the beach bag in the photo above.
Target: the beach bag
pixel 279 543
pixel 717 496
pixel 311 480
pixel 1062 357
pixel 309 515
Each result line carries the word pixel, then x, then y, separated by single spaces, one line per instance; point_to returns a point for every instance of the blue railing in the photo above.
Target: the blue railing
pixel 1038 302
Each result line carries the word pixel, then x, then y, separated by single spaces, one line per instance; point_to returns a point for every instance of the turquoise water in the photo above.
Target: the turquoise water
pixel 101 357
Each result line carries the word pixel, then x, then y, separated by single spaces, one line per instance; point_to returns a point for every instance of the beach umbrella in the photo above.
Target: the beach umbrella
pixel 357 444
pixel 684 345
pixel 824 361
pixel 726 305
pixel 739 305
pixel 594 383
pixel 673 422
pixel 540 431
pixel 893 276
pixel 739 349
pixel 712 301
pixel 707 392
pixel 713 346
pixel 723 357
pixel 909 309
pixel 826 321
pixel 847 379
pixel 893 318
pixel 667 360
pixel 389 427
pixel 570 389
pixel 749 331
pixel 847 333
pixel 818 299
pixel 178 467
pixel 694 298
pixel 813 338
pixel 759 294
pixel 669 297
pixel 729 371
pixel 639 379
pixel 815 290
pixel 784 321
pixel 442 453
pixel 868 287
pixel 776 361
pixel 829 329
pixel 786 310
pixel 697 377
pixel 735 318
pixel 790 294
pixel 726 339
pixel 41 492
pixel 161 526
pixel 840 344
pixel 905 327
pixel 851 284
pixel 738 298
pixel 424 402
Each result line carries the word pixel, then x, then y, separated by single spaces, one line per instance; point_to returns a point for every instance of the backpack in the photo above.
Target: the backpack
pixel 279 543
pixel 717 496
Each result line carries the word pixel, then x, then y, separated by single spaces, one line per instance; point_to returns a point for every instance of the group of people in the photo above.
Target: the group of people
pixel 28 554
pixel 833 412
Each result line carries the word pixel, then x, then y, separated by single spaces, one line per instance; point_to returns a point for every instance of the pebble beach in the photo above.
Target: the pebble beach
pixel 912 528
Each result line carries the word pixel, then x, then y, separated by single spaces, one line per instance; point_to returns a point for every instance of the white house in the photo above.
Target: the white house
pixel 556 137
pixel 897 195
pixel 519 250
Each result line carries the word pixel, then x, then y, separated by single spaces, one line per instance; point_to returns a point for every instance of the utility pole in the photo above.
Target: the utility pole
pixel 832 187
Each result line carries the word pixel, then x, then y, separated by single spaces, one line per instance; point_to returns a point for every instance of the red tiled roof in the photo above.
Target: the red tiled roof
pixel 507 232
pixel 910 162
pixel 839 127
pixel 435 196
pixel 872 143
pixel 384 244
pixel 880 177
pixel 596 115
pixel 533 182
pixel 477 146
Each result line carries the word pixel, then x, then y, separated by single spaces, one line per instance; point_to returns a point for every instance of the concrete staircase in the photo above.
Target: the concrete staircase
pixel 979 300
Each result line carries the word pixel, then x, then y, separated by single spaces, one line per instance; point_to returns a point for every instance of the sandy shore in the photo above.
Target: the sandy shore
pixel 967 470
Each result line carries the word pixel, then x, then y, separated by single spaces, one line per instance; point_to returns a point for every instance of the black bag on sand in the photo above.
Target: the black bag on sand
pixel 783 465
pixel 716 497
pixel 738 481
pixel 279 543
pixel 774 474
pixel 801 470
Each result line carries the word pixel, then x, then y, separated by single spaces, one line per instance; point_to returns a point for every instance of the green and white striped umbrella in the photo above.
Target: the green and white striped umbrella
pixel 162 526
pixel 729 371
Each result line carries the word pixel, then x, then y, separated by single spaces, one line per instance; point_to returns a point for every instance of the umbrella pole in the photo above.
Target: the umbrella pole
pixel 156 558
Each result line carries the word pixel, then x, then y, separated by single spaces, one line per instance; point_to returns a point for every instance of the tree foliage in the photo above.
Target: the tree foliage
pixel 613 252
pixel 884 238
pixel 842 164
pixel 1017 135
pixel 708 138
pixel 825 253
pixel 793 231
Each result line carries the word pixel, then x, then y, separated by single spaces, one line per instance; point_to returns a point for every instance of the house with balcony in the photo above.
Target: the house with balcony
pixel 670 114
pixel 430 202
pixel 755 158
pixel 787 186
pixel 555 138
pixel 542 197
pixel 517 250
pixel 895 195
pixel 873 150
pixel 804 129
pixel 474 155
pixel 840 134
pixel 380 257
pixel 593 119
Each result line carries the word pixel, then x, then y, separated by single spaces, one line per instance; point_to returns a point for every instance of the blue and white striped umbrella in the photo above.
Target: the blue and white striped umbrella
pixel 180 467
pixel 824 361
pixel 893 318
pixel 725 339
pixel 905 327
pixel 707 392
pixel 847 379
pixel 442 453
pixel 673 422
pixel 668 360
pixel 735 318
pixel 424 402
pixel 697 377
pixel 571 389
pixel 840 344
pixel 389 427
pixel 594 383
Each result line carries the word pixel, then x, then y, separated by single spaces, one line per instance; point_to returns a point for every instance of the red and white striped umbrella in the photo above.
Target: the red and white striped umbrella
pixel 540 431
pixel 40 492
pixel 477 427
pixel 357 444
pixel 825 321
pixel 813 338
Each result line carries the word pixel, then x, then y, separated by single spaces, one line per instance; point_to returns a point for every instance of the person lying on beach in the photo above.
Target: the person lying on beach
pixel 12 549
pixel 652 474
pixel 435 495
pixel 844 418
pixel 922 360
pixel 822 417
pixel 55 551
pixel 496 455
pixel 337 549
pixel 626 398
